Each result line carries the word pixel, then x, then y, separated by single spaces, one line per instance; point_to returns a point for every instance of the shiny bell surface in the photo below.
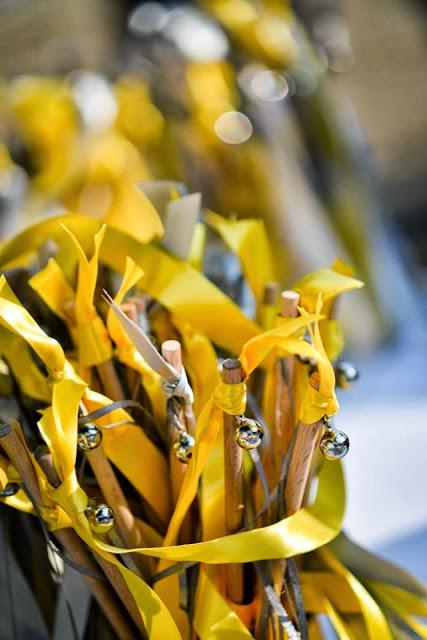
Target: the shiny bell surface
pixel 10 489
pixel 183 446
pixel 249 433
pixel 101 518
pixel 346 374
pixel 88 437
pixel 334 444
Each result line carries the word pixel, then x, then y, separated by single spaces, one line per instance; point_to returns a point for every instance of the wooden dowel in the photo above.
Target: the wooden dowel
pixel 78 554
pixel 133 377
pixel 233 482
pixel 271 291
pixel 171 352
pixel 307 439
pixel 284 415
pixel 110 380
pixel 267 309
pixel 127 526
pixel 18 454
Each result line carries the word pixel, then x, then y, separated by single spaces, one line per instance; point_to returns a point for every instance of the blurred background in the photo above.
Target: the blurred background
pixel 315 121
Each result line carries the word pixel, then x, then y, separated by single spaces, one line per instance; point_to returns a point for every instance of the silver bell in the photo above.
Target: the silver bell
pixel 183 446
pixel 10 489
pixel 88 437
pixel 101 518
pixel 334 444
pixel 345 374
pixel 249 433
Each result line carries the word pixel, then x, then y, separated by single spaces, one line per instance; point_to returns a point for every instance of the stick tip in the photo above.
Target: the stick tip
pixel 289 301
pixel 271 291
pixel 171 351
pixel 232 372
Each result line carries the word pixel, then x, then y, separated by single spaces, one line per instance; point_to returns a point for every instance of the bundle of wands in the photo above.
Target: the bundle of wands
pixel 194 500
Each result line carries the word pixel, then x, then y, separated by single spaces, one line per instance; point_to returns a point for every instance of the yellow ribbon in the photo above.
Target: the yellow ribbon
pixel 248 240
pixel 376 624
pixel 174 283
pixel 93 343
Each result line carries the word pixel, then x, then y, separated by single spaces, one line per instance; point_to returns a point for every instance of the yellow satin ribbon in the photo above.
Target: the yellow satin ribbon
pixel 124 445
pixel 375 621
pixel 54 289
pixel 111 169
pixel 248 240
pixel 214 619
pixel 126 351
pixel 329 283
pixel 25 371
pixel 58 427
pixel 264 29
pixel 174 283
pixel 138 119
pixel 17 319
pixel 93 343
pixel 408 606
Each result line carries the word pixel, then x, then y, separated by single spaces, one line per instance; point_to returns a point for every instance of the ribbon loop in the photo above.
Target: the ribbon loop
pixel 231 398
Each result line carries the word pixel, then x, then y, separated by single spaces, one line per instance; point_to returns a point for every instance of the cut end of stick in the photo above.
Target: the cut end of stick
pixel 171 352
pixel 232 372
pixel 271 291
pixel 289 301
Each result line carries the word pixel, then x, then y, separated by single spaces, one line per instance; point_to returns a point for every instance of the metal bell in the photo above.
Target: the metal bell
pixel 183 446
pixel 10 489
pixel 88 437
pixel 345 374
pixel 249 433
pixel 101 518
pixel 334 444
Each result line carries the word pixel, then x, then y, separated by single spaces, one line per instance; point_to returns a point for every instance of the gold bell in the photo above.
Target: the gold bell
pixel 183 446
pixel 249 433
pixel 101 518
pixel 88 437
pixel 334 444
pixel 10 489
pixel 345 374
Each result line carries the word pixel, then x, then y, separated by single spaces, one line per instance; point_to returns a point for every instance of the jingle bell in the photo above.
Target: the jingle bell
pixel 88 437
pixel 183 446
pixel 101 518
pixel 345 374
pixel 334 444
pixel 249 433
pixel 10 489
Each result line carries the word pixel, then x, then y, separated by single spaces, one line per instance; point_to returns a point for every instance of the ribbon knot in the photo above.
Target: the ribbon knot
pixel 178 388
pixel 231 398
pixel 70 496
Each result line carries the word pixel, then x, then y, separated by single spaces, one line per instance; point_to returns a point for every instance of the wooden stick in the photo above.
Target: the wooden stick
pixel 133 377
pixel 285 418
pixel 266 311
pixel 233 482
pixel 70 541
pixel 307 439
pixel 110 380
pixel 18 454
pixel 171 352
pixel 127 526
